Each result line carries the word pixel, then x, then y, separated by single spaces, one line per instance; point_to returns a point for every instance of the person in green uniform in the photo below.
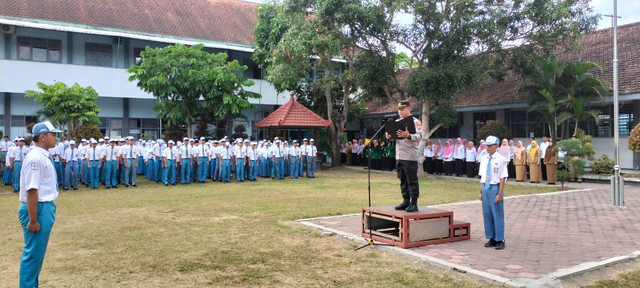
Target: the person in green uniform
pixel 391 148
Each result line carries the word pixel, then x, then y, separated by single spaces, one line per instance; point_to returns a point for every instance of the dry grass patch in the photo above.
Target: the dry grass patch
pixel 220 235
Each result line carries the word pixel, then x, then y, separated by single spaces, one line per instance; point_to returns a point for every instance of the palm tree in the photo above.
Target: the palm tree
pixel 551 110
pixel 581 88
pixel 566 88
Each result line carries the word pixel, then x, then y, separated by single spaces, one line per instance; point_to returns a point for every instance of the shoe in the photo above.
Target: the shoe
pixel 491 243
pixel 134 185
pixel 413 206
pixel 500 245
pixel 75 188
pixel 403 205
pixel 108 187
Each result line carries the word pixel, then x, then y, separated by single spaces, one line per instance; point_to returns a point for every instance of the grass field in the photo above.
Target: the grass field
pixel 221 235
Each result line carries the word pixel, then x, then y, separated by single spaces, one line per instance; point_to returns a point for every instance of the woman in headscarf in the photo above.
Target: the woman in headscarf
pixel 482 149
pixel 511 167
pixel 447 156
pixel 437 157
pixel 471 156
pixel 520 162
pixel 551 160
pixel 533 160
pixel 458 157
pixel 427 165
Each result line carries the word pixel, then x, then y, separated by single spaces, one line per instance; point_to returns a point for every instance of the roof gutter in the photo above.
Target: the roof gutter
pixel 60 26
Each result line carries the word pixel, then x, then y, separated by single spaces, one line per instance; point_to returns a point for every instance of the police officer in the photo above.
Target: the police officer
pixel 407 159
pixel 37 212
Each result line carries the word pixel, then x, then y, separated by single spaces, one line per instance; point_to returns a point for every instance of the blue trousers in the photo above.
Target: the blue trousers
pixel 7 178
pixel 263 167
pixel 185 171
pixel 272 164
pixel 286 166
pixel 35 244
pixel 202 169
pixel 71 175
pixel 294 167
pixel 151 164
pixel 303 166
pixel 130 172
pixel 226 171
pixel 311 167
pixel 110 174
pixel 169 174
pixel 140 165
pixel 85 171
pixel 158 171
pixel 17 166
pixel 58 167
pixel 213 166
pixel 94 173
pixel 253 170
pixel 240 170
pixel 218 172
pixel 493 213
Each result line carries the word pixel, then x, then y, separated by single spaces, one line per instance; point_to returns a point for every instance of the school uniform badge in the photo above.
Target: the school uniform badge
pixel 34 166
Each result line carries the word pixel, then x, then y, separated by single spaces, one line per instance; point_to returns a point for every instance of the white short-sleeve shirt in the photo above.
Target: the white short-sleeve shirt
pixel 38 173
pixel 498 168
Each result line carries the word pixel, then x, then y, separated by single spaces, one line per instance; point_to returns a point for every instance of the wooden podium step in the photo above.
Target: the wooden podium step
pixel 428 226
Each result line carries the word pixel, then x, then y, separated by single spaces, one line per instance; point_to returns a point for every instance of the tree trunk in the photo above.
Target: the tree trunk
pixel 575 131
pixel 189 132
pixel 426 132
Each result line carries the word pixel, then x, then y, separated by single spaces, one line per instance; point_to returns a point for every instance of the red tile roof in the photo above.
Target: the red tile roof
pixel 596 47
pixel 293 114
pixel 228 21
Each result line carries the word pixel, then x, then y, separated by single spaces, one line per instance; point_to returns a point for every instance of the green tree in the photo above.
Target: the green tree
pixel 573 164
pixel 69 106
pixel 87 132
pixel 190 82
pixel 570 87
pixel 550 109
pixel 298 36
pixel 456 45
pixel 496 129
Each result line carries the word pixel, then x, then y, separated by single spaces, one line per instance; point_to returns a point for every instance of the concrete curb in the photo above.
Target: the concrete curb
pixel 442 263
pixel 589 266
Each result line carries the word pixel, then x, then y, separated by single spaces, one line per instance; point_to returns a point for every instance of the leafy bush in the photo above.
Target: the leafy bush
pixel 587 144
pixel 30 127
pixel 1 134
pixel 201 130
pixel 603 165
pixel 634 139
pixel 89 131
pixel 239 132
pixel 572 160
pixel 496 129
pixel 173 133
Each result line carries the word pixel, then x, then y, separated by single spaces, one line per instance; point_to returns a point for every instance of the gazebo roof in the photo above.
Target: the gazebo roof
pixel 293 114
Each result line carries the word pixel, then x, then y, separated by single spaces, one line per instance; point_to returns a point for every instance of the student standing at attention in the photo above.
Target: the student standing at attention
pixel 38 189
pixel 493 173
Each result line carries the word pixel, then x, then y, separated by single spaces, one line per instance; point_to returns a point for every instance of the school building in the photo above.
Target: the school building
pixel 501 101
pixel 93 42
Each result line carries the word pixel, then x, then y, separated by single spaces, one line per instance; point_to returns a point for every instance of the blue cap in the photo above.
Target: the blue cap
pixel 43 128
pixel 492 140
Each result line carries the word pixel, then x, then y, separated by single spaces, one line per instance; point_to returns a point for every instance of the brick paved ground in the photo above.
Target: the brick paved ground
pixel 544 233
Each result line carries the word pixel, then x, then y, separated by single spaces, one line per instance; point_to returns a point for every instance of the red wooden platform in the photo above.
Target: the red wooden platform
pixel 428 226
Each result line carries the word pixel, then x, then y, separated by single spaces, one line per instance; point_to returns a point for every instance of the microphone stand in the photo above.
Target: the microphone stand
pixel 370 241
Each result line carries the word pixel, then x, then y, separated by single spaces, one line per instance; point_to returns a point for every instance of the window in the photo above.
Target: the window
pixel 481 119
pixel 137 58
pixel 626 120
pixel 39 49
pixel 17 121
pixel 522 124
pixel 98 54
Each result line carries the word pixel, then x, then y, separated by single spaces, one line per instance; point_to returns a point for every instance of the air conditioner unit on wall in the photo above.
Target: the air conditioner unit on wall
pixel 7 29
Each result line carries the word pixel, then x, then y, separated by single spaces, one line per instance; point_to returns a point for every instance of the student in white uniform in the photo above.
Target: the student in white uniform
pixel 18 154
pixel 169 156
pixel 493 174
pixel 311 155
pixel 93 156
pixel 37 212
pixel 130 155
pixel 72 166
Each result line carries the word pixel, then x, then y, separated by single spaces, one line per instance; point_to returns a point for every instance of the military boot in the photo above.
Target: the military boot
pixel 403 205
pixel 413 206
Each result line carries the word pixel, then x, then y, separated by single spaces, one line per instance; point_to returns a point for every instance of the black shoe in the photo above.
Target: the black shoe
pixel 75 188
pixel 491 243
pixel 134 185
pixel 403 205
pixel 413 206
pixel 108 187
pixel 500 245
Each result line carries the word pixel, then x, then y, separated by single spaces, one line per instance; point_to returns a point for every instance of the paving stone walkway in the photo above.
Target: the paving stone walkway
pixel 545 234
